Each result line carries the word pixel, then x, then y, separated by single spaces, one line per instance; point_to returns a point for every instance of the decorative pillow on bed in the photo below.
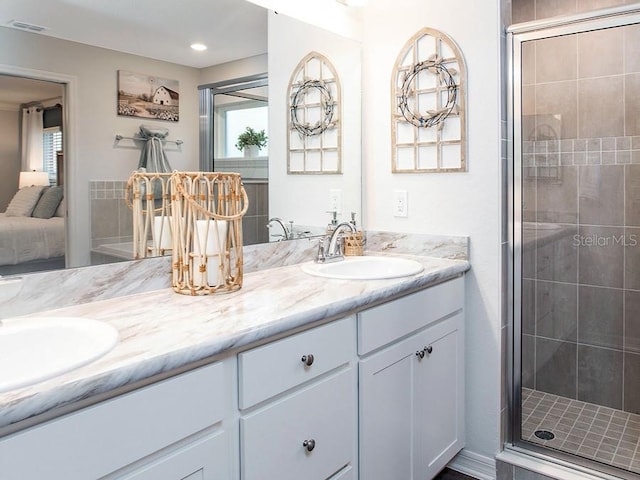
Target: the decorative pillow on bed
pixel 24 201
pixel 60 210
pixel 48 203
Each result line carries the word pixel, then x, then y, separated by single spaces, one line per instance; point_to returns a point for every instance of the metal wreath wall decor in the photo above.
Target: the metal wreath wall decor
pixel 428 124
pixel 314 137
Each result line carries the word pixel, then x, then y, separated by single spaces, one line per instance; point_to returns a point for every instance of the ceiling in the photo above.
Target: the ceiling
pixel 16 90
pixel 159 29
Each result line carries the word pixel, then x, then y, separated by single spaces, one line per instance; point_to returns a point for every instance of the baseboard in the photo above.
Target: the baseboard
pixel 474 464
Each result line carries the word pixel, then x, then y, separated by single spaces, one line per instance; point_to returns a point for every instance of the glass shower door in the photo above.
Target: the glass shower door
pixel 577 239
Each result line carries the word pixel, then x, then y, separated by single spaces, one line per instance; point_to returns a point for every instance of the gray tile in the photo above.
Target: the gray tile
pixel 600 316
pixel 632 195
pixel 556 59
pixel 557 256
pixel 601 256
pixel 556 367
pixel 632 258
pixel 600 53
pixel 104 218
pixel 632 48
pixel 556 310
pixel 601 112
pixel 504 471
pixel 632 383
pixel 528 361
pixel 528 307
pixel 632 104
pixel 632 321
pixel 601 193
pixel 559 98
pixel 522 474
pixel 554 8
pixel 600 376
pixel 557 200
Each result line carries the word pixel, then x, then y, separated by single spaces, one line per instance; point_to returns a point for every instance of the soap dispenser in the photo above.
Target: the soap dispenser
pixel 354 242
pixel 331 226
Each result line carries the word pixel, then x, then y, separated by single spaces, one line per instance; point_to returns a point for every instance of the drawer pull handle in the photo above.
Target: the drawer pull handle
pixel 420 354
pixel 429 349
pixel 308 361
pixel 309 445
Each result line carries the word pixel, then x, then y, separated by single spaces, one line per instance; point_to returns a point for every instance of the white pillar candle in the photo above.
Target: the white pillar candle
pixel 162 237
pixel 213 244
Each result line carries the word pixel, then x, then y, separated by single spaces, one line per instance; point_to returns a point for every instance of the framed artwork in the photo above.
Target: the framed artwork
pixel 428 120
pixel 148 96
pixel 314 141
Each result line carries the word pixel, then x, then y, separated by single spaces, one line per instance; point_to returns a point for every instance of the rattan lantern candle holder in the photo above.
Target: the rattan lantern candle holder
pixel 206 220
pixel 148 196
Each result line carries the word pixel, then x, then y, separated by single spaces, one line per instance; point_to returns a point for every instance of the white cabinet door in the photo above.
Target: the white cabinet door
pixel 411 405
pixel 205 459
pixel 439 398
pixel 386 412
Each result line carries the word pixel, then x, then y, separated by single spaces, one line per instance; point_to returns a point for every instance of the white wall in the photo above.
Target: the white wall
pixel 98 156
pixel 236 69
pixel 304 199
pixel 9 155
pixel 455 203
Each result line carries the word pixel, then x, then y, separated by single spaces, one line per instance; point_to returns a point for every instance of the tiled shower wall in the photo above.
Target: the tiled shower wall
pixel 111 219
pixel 581 208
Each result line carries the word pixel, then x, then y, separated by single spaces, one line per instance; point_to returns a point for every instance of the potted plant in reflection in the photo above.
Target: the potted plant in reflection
pixel 251 141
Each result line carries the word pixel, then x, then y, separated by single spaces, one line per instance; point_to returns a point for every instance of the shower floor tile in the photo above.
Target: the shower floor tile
pixel 600 433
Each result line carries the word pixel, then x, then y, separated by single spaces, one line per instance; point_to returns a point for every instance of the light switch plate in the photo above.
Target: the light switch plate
pixel 335 200
pixel 400 203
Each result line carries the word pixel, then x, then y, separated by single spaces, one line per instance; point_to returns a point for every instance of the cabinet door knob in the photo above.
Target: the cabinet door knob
pixel 420 353
pixel 308 360
pixel 309 445
pixel 428 349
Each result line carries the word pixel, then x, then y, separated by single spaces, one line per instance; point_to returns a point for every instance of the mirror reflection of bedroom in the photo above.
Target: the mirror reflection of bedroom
pixel 32 224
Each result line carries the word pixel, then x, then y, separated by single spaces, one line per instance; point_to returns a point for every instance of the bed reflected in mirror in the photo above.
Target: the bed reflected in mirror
pixel 32 207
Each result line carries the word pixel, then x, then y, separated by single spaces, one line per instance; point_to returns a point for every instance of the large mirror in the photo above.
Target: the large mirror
pixel 96 164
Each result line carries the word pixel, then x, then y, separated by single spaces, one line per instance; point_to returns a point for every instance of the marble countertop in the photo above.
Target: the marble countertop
pixel 160 330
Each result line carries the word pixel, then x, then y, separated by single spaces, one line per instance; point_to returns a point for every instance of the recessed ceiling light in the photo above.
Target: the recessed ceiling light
pixel 198 47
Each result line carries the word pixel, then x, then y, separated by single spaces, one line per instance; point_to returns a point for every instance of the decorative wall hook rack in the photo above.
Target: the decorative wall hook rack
pixel 122 137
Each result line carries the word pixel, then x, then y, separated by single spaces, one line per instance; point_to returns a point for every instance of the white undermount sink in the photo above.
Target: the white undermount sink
pixel 369 267
pixel 40 348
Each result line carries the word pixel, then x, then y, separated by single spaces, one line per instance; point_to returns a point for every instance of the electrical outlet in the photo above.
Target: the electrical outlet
pixel 335 200
pixel 400 203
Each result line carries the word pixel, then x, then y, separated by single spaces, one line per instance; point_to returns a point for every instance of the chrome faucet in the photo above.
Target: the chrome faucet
pixel 287 233
pixel 334 251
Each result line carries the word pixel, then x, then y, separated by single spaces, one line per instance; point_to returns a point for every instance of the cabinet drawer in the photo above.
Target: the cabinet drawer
pixel 272 438
pixel 381 325
pixel 344 474
pixel 274 368
pixel 127 427
pixel 204 459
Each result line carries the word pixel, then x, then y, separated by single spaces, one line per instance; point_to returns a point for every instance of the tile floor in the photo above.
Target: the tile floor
pixel 600 433
pixel 448 474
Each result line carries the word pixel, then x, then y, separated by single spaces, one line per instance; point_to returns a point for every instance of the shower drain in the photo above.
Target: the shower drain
pixel 544 434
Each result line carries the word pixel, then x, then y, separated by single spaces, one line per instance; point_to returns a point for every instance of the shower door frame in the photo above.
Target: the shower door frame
pixel 516 36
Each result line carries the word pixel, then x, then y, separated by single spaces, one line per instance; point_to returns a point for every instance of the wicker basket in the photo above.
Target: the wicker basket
pixel 354 244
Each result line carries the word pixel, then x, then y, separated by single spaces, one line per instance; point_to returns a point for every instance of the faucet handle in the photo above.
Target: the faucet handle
pixel 322 249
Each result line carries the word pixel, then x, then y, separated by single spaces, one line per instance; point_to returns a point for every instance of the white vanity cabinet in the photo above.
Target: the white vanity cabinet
pixel 170 430
pixel 411 384
pixel 298 406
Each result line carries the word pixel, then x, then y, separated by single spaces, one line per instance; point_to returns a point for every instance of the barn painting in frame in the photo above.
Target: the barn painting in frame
pixel 148 96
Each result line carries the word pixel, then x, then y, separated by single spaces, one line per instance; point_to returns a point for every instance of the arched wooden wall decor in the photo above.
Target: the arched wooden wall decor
pixel 428 124
pixel 314 140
